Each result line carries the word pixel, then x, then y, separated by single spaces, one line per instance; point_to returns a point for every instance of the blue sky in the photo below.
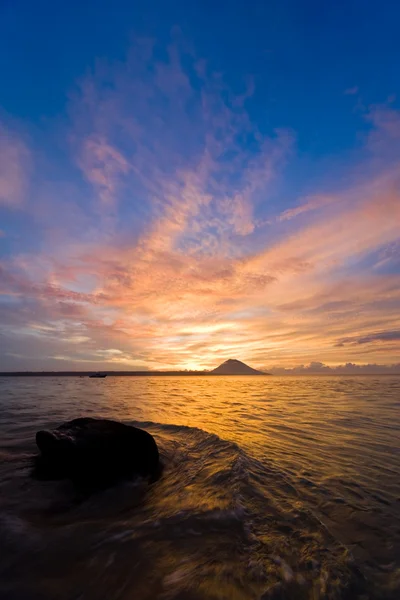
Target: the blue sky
pixel 244 153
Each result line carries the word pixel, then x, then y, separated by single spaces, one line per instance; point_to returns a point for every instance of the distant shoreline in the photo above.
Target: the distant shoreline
pixel 182 374
pixel 126 374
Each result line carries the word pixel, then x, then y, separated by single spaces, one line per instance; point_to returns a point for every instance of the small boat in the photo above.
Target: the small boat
pixel 98 375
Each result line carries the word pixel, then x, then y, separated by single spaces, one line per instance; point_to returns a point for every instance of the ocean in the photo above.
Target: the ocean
pixel 273 487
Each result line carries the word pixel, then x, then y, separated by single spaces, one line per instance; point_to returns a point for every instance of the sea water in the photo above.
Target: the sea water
pixel 273 487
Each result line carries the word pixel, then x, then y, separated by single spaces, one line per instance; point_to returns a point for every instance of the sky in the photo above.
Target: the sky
pixel 187 182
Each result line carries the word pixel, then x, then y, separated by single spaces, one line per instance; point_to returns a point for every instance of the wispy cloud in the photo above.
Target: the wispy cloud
pixel 178 139
pixel 15 165
pixel 381 336
pixel 103 166
pixel 352 91
pixel 176 262
pixel 310 204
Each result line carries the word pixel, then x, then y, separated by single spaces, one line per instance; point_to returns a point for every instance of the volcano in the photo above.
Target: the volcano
pixel 235 367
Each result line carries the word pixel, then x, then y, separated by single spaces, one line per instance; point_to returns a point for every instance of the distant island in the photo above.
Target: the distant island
pixel 235 367
pixel 229 367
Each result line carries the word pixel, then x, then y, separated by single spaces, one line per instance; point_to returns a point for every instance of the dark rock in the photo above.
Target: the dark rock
pixel 96 451
pixel 235 367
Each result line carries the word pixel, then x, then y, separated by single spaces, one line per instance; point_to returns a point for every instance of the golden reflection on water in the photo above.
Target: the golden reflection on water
pixel 308 463
pixel 335 421
pixel 336 439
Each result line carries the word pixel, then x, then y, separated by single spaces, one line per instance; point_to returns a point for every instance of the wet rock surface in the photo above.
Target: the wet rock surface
pixel 97 451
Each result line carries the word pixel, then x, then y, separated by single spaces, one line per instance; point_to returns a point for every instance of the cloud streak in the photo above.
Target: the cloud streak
pixel 382 336
pixel 103 166
pixel 185 257
pixel 15 166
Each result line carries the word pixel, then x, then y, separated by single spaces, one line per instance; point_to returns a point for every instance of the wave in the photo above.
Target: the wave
pixel 218 524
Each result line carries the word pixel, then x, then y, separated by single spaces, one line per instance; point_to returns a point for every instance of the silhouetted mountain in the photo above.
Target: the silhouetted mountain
pixel 235 367
pixel 229 367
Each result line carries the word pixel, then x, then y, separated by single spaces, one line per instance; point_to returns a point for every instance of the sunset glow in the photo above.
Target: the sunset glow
pixel 159 210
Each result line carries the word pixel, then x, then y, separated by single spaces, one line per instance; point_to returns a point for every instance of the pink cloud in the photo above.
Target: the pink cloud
pixel 385 120
pixel 103 166
pixel 361 220
pixel 176 304
pixel 202 280
pixel 384 138
pixel 185 178
pixel 172 307
pixel 15 163
pixel 314 203
pixel 177 292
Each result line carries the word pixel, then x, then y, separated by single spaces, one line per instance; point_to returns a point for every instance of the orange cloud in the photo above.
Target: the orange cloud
pixel 196 276
pixel 176 306
pixel 282 306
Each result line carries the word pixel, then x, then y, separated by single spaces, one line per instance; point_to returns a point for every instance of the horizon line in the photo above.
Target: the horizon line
pixel 178 372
